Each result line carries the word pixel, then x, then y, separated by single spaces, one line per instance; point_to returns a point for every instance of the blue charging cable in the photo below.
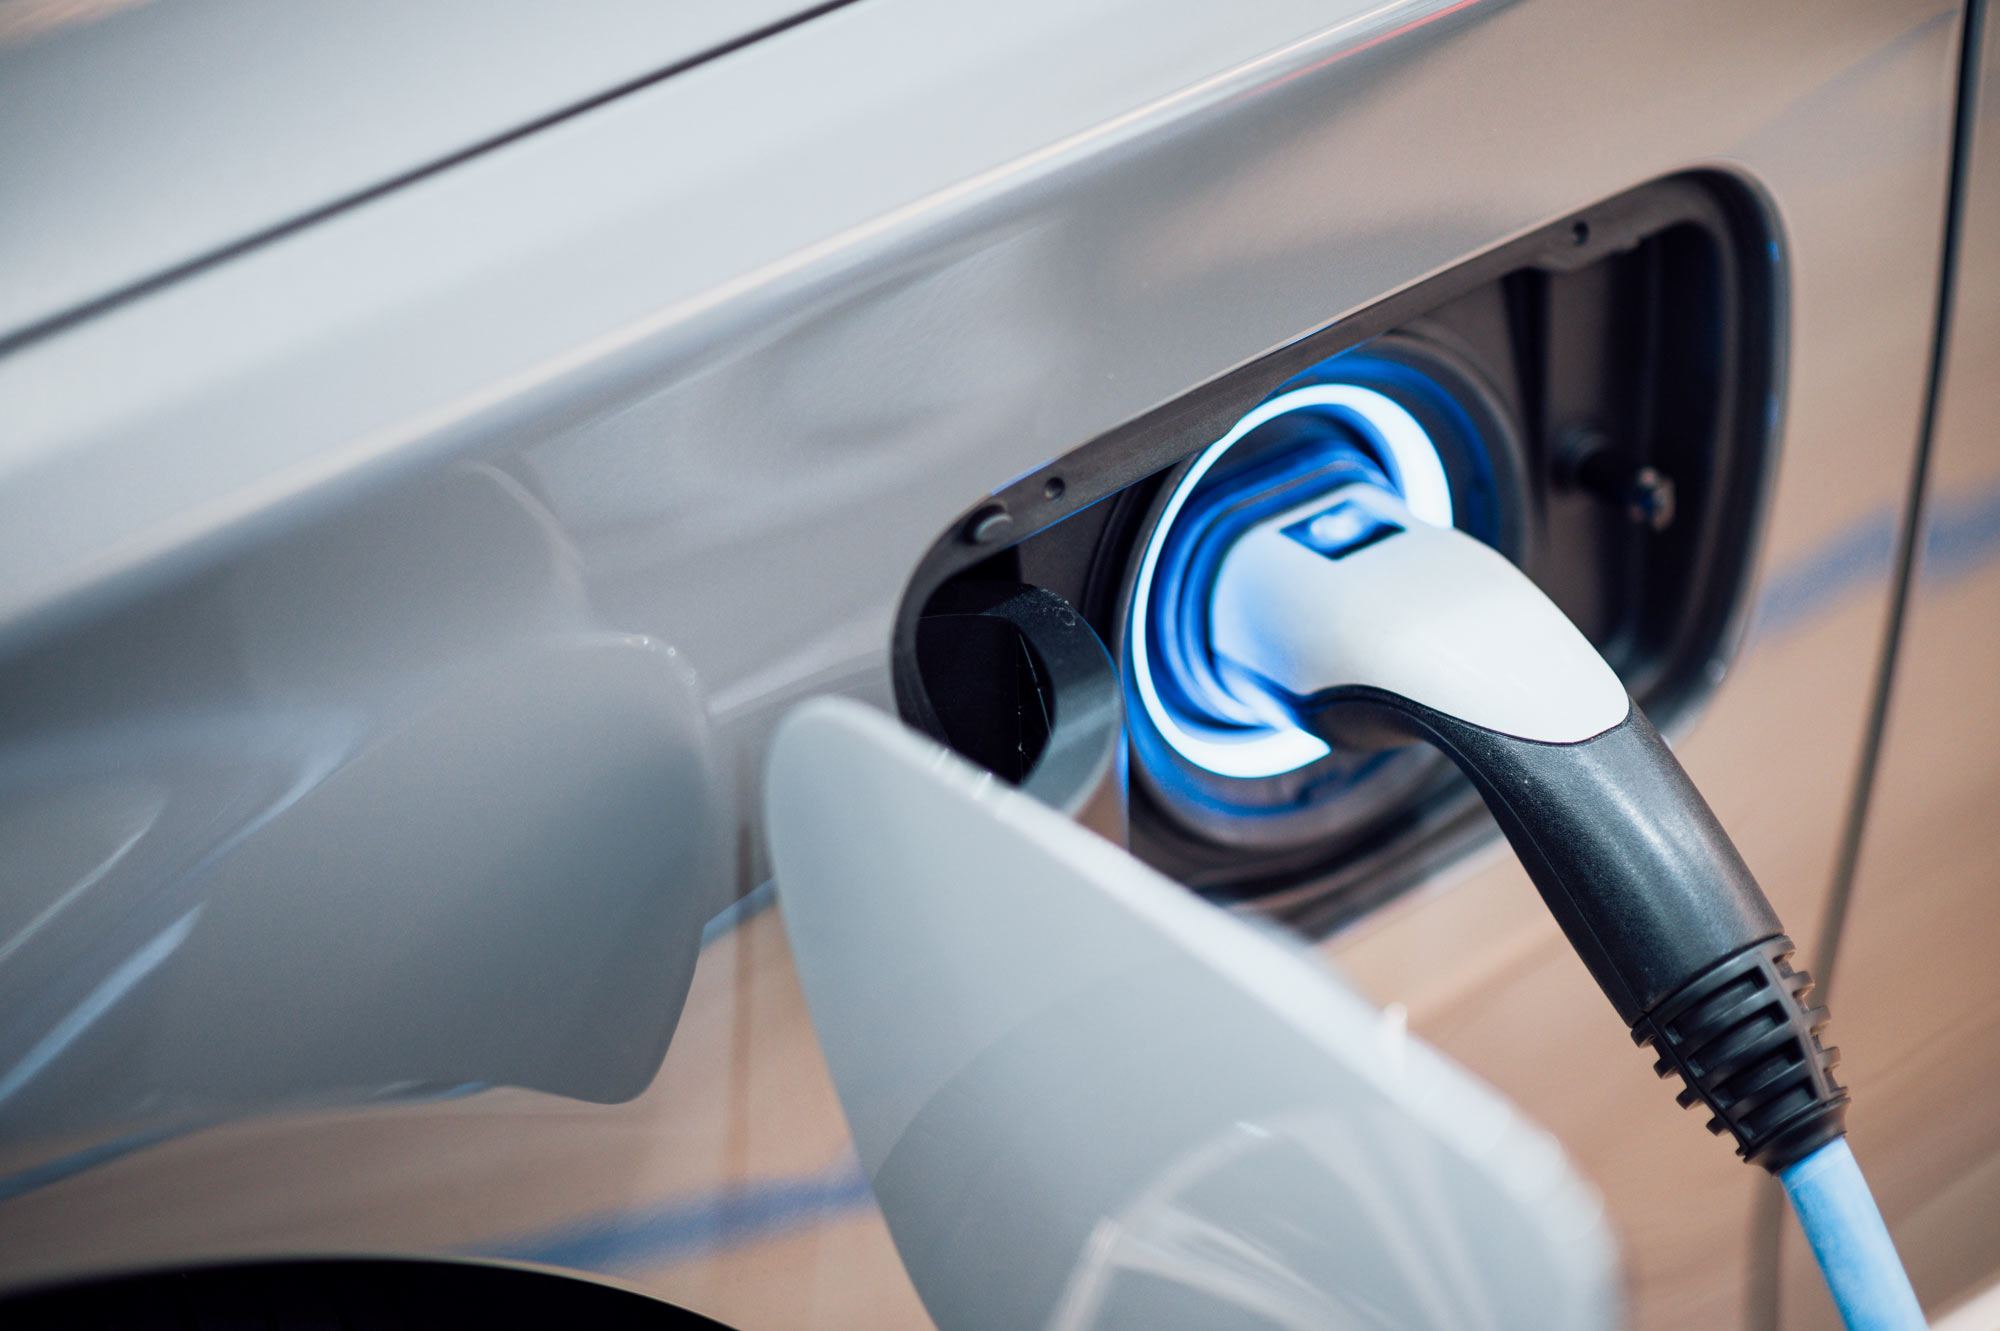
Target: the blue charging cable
pixel 1852 1244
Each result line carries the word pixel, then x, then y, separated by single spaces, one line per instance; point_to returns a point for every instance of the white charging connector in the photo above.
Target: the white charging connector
pixel 1350 590
pixel 1360 624
pixel 1345 616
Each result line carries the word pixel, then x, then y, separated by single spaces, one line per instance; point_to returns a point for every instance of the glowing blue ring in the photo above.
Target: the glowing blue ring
pixel 1412 460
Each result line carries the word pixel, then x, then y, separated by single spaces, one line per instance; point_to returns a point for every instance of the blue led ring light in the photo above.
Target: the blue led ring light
pixel 1253 748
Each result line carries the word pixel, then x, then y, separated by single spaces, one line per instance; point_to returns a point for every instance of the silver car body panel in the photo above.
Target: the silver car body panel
pixel 139 138
pixel 738 365
pixel 1920 1017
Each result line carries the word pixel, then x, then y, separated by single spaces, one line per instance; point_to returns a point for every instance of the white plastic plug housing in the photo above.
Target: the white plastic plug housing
pixel 1422 611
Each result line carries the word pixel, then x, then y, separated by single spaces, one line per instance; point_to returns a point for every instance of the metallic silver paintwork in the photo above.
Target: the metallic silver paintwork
pixel 384 813
pixel 138 137
pixel 748 363
pixel 1914 981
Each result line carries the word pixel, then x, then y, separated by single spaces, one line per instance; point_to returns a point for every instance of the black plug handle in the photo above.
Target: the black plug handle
pixel 1656 900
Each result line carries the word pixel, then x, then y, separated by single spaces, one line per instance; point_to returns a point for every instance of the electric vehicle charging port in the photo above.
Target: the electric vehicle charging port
pixel 1594 400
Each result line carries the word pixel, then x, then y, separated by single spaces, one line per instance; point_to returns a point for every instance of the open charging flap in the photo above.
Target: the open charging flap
pixel 1088 1099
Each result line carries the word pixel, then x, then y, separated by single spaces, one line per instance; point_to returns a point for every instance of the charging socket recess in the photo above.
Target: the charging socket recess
pixel 1621 369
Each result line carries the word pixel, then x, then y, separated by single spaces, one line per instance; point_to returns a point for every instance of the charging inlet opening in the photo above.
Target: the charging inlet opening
pixel 1595 402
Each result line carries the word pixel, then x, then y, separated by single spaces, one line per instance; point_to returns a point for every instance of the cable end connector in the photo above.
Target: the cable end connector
pixel 1746 1042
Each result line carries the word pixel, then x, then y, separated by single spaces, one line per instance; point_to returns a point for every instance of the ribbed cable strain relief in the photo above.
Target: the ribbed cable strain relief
pixel 1743 1038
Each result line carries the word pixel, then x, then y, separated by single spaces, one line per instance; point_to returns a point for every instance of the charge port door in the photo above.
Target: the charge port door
pixel 1087 1099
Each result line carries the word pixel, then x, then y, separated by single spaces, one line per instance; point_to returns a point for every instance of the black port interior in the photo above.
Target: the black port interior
pixel 1632 349
pixel 1000 703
